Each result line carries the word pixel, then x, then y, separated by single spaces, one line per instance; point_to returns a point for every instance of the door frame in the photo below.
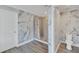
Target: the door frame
pixel 51 37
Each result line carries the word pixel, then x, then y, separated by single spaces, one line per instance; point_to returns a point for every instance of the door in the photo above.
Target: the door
pixel 8 28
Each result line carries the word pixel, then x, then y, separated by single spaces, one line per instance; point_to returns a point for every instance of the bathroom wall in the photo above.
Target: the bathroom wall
pixel 69 22
pixel 43 29
pixel 41 21
pixel 25 27
pixel 36 27
pixel 8 28
pixel 57 28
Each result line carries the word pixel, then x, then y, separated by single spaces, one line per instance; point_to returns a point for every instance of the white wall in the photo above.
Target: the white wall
pixel 8 29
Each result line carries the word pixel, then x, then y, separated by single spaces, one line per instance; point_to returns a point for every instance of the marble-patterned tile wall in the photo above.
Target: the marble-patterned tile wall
pixel 36 27
pixel 69 22
pixel 25 27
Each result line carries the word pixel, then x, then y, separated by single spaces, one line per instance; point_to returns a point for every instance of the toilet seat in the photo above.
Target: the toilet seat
pixel 69 41
pixel 69 45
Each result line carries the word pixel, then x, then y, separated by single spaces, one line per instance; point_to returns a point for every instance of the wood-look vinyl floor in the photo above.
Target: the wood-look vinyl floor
pixel 31 47
pixel 38 46
pixel 62 49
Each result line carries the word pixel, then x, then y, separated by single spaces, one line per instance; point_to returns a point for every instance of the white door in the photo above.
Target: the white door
pixel 8 28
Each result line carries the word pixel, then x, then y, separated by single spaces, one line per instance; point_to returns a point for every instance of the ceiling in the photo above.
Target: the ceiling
pixel 67 8
pixel 72 9
pixel 40 10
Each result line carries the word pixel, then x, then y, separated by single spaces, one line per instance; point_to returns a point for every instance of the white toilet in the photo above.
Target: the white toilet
pixel 69 41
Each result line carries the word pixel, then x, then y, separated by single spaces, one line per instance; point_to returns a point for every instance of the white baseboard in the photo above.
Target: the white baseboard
pixel 41 41
pixel 24 43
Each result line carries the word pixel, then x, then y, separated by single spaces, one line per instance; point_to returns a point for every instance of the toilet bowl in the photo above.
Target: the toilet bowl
pixel 69 45
pixel 69 41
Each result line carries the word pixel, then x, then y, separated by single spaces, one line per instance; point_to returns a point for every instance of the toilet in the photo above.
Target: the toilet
pixel 69 41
